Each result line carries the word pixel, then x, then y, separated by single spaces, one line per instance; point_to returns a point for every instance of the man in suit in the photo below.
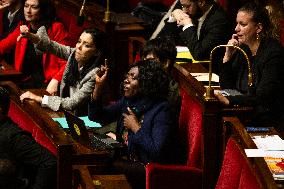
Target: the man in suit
pixel 12 14
pixel 198 24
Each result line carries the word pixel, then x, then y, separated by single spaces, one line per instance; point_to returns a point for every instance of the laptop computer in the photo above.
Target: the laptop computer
pixel 80 133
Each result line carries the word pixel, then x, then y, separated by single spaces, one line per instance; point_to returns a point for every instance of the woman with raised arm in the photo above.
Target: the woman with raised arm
pixel 40 69
pixel 145 122
pixel 267 64
pixel 83 63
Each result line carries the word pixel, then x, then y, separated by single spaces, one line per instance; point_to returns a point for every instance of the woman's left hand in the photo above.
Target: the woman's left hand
pixel 130 121
pixel 30 95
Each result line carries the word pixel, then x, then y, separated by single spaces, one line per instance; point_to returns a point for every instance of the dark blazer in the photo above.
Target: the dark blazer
pixel 216 30
pixel 9 27
pixel 268 69
pixel 156 139
pixel 33 161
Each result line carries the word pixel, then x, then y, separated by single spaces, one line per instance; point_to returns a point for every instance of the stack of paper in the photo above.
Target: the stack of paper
pixel 271 147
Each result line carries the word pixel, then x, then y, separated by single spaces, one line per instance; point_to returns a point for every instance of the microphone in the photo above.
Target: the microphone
pixel 80 18
pixel 251 88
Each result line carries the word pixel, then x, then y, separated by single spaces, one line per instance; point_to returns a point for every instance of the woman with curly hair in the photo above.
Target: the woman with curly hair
pixel 144 119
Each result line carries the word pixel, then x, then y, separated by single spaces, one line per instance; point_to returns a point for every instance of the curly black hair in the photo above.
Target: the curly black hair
pixel 152 78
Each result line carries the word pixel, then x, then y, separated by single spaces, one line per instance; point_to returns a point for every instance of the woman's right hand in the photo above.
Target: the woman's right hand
pixel 4 4
pixel 30 95
pixel 231 50
pixel 24 32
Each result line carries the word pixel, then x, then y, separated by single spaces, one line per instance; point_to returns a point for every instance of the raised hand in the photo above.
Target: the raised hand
pixel 24 30
pixel 100 76
pixel 231 50
pixel 4 4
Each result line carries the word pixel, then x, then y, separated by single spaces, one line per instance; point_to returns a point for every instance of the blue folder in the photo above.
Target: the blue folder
pixel 62 121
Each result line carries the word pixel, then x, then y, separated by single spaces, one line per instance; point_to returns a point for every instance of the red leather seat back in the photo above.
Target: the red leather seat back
pixel 25 122
pixel 236 172
pixel 190 129
pixel 70 22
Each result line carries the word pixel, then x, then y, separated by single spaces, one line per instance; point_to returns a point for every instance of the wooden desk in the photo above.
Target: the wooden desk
pixel 69 152
pixel 7 72
pixel 237 130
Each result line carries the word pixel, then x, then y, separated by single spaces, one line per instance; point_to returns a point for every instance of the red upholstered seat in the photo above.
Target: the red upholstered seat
pixel 236 172
pixel 25 122
pixel 190 130
pixel 70 22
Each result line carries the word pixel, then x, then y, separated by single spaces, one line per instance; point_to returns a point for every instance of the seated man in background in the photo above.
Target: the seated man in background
pixel 200 25
pixel 12 14
pixel 32 161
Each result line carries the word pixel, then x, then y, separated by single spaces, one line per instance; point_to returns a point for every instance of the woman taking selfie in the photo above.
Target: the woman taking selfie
pixel 78 80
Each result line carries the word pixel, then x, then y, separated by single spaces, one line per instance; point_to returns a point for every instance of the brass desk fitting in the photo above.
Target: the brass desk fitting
pixel 209 91
pixel 107 13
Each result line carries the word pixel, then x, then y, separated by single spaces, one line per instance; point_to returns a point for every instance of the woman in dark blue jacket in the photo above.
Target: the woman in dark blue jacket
pixel 145 122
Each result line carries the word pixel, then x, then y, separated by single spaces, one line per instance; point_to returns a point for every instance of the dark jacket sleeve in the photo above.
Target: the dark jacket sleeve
pixel 29 153
pixel 215 31
pixel 156 136
pixel 104 115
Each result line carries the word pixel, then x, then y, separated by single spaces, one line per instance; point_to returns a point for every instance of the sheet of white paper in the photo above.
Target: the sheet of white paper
pixel 182 49
pixel 205 77
pixel 269 142
pixel 255 152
